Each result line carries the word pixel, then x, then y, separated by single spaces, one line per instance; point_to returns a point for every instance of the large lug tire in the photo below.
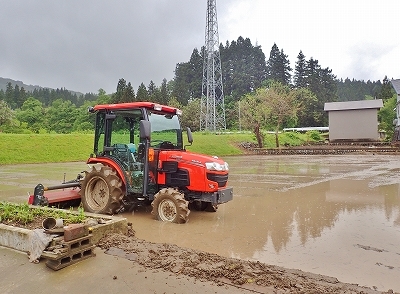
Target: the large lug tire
pixel 101 190
pixel 169 205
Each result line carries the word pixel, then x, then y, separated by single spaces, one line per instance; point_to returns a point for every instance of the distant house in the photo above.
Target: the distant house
pixel 353 120
pixel 396 87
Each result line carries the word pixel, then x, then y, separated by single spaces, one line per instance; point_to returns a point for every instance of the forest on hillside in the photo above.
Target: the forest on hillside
pixel 245 70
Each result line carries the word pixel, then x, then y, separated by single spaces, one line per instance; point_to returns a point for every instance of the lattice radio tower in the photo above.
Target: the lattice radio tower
pixel 212 117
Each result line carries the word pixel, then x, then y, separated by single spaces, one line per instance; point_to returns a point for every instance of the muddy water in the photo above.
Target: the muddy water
pixel 332 215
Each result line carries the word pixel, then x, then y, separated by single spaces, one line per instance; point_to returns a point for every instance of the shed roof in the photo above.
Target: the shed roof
pixel 396 85
pixel 352 105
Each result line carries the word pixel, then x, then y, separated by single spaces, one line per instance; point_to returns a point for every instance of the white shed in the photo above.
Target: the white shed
pixel 353 120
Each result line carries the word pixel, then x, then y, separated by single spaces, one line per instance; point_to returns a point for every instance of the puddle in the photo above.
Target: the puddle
pixel 332 215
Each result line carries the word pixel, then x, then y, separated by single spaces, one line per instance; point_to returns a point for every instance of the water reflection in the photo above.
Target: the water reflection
pixel 313 211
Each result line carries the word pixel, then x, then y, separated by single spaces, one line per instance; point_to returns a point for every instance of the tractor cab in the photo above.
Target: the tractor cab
pixel 129 136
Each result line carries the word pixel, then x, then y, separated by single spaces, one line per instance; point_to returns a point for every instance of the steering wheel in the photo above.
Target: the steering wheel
pixel 167 145
pixel 156 143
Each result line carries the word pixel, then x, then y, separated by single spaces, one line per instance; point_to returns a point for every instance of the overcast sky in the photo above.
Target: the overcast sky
pixel 85 45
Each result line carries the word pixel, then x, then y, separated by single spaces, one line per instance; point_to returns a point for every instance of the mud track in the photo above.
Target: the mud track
pixel 252 277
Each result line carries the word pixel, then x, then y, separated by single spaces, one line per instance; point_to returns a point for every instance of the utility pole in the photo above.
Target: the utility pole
pixel 212 116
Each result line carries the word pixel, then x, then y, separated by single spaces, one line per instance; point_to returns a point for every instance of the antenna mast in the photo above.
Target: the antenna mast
pixel 212 117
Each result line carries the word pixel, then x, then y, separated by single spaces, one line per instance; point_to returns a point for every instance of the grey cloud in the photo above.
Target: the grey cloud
pixel 365 59
pixel 87 45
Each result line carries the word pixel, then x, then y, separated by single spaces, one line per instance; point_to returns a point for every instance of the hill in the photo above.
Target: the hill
pixel 28 88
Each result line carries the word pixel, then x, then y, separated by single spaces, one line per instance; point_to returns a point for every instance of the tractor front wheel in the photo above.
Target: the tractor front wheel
pixel 101 190
pixel 169 205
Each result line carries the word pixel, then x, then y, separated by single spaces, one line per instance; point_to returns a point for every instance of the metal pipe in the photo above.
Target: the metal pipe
pixel 62 186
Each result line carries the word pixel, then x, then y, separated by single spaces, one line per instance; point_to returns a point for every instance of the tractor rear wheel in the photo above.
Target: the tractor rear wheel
pixel 101 190
pixel 169 205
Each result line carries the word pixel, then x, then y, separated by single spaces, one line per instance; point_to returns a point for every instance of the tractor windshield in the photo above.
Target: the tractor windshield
pixel 165 131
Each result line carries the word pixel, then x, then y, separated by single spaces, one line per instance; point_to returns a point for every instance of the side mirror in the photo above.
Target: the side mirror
pixel 145 129
pixel 189 135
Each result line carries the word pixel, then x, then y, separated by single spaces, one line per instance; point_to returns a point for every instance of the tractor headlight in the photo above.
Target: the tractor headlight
pixel 216 166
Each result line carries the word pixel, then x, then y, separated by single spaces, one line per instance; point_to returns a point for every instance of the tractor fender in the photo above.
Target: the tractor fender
pixel 111 163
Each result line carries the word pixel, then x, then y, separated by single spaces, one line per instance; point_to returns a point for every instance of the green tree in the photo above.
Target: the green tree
pixel 386 116
pixel 254 113
pixel 129 94
pixel 61 116
pixel 142 94
pixel 278 66
pixel 22 96
pixel 188 78
pixel 322 83
pixel 353 90
pixel 32 113
pixel 118 96
pixel 386 92
pixel 282 104
pixel 9 96
pixel 154 93
pixel 164 96
pixel 308 113
pixel 19 96
pixel 151 89
pixel 6 114
pixel 191 115
pixel 271 106
pixel 175 103
pixel 243 68
pixel 300 76
pixel 16 97
pixel 84 121
pixel 102 97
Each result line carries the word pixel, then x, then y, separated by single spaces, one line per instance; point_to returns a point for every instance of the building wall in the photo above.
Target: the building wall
pixel 354 124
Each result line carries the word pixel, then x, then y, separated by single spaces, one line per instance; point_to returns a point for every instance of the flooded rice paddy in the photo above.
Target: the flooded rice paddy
pixel 332 215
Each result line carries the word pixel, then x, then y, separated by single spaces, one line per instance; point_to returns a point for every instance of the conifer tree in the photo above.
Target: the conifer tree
pixel 300 76
pixel 278 66
pixel 118 96
pixel 386 91
pixel 142 94
pixel 129 93
pixel 164 92
pixel 243 67
pixel 9 97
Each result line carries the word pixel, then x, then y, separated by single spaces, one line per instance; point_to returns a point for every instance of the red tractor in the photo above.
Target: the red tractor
pixel 139 159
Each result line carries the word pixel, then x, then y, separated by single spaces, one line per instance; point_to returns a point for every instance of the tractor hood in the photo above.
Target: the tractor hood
pixel 212 163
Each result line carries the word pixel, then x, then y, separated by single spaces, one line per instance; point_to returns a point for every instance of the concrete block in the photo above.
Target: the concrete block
pixel 71 258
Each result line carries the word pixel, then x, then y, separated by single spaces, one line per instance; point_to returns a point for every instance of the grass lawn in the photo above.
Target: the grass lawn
pixel 44 148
